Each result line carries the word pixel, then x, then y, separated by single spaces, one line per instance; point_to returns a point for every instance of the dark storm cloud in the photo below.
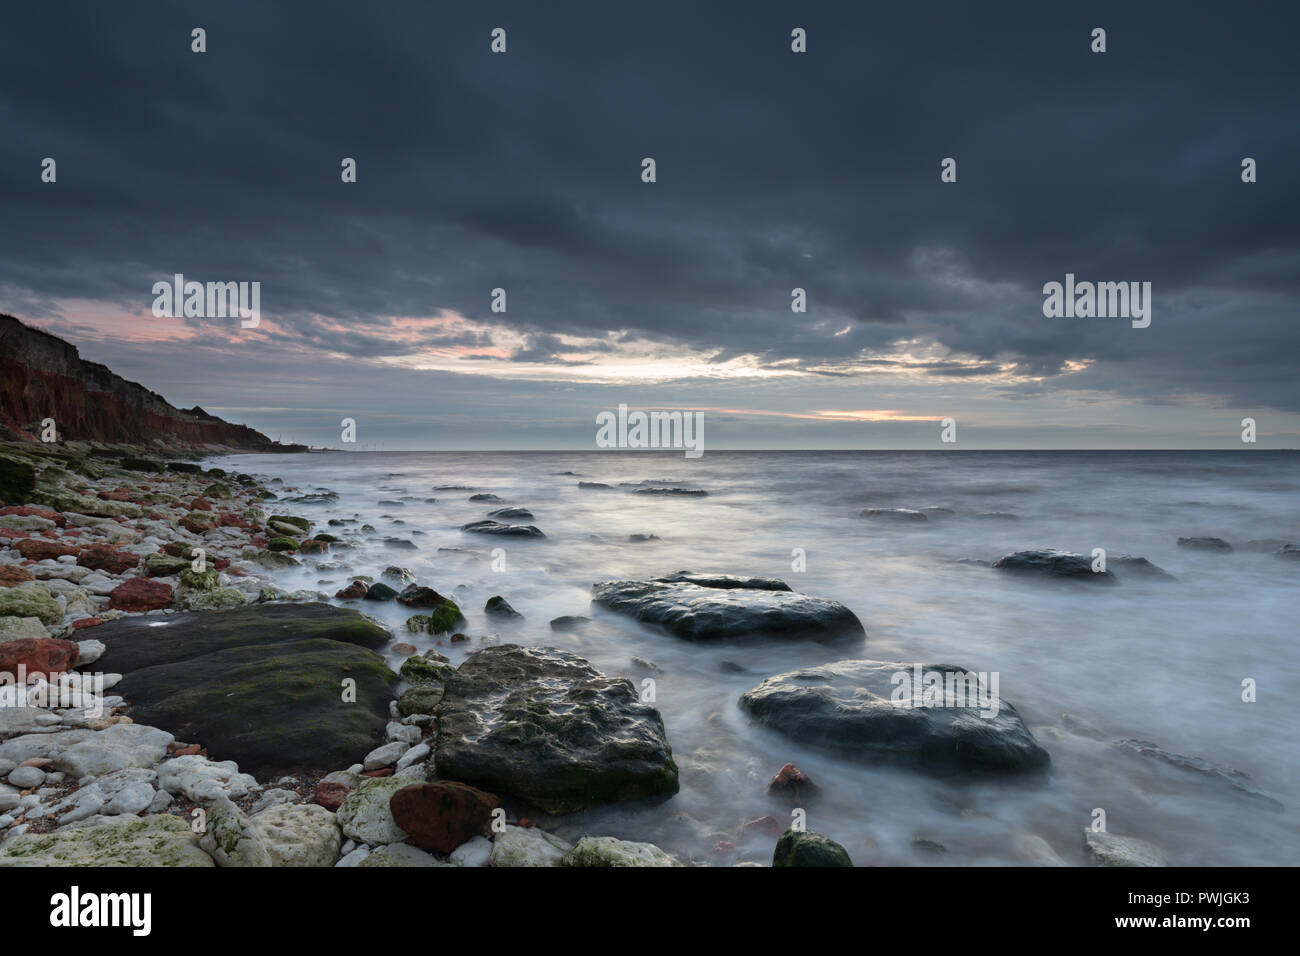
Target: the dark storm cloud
pixel 819 171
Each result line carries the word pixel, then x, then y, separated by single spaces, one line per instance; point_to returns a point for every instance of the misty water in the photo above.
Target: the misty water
pixel 1158 660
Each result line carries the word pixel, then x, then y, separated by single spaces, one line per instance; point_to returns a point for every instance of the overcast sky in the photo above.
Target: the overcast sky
pixel 775 170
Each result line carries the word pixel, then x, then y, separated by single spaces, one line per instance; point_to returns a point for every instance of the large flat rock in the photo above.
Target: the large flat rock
pixel 708 607
pixel 851 707
pixel 549 728
pixel 261 685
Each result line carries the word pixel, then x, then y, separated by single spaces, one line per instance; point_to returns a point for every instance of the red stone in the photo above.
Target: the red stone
pixel 188 751
pixel 457 638
pixel 793 781
pixel 12 534
pixel 357 589
pixel 85 622
pixel 103 557
pixel 403 648
pixel 46 656
pixel 38 549
pixel 197 522
pixel 330 795
pixel 443 814
pixel 140 594
pixel 200 504
pixel 382 772
pixel 11 574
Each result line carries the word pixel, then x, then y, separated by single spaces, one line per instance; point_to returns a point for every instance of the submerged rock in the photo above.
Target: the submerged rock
pixel 700 607
pixel 499 607
pixel 1054 564
pixel 549 728
pixel 521 513
pixel 892 514
pixel 506 530
pixel 1107 849
pixel 673 492
pixel 1140 567
pixel 1205 544
pixel 1237 780
pixel 849 707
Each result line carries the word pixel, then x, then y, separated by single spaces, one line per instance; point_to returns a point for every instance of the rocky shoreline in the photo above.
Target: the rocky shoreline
pixel 173 704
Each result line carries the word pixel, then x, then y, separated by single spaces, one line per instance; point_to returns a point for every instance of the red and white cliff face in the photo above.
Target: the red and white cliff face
pixel 42 376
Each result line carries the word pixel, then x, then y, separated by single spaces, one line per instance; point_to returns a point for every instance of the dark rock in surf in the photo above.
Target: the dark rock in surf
pixel 702 607
pixel 500 608
pixel 595 486
pixel 1141 567
pixel 522 513
pixel 569 622
pixel 808 848
pixel 1053 564
pixel 484 496
pixel 549 728
pixel 673 492
pixel 1205 544
pixel 504 530
pixel 892 514
pixel 849 707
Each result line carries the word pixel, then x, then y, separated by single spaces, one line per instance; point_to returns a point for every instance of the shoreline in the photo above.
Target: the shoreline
pixel 105 541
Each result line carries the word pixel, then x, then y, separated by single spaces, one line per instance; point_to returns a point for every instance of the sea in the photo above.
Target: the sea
pixel 1170 706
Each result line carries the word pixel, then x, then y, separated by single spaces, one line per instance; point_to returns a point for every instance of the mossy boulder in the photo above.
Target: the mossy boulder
pixel 444 618
pixel 158 840
pixel 204 580
pixel 162 565
pixel 30 600
pixel 144 464
pixel 218 599
pixel 278 688
pixel 272 560
pixel 17 481
pixel 807 848
pixel 418 624
pixel 282 544
pixel 301 523
pixel 218 490
pixel 422 670
pixel 420 699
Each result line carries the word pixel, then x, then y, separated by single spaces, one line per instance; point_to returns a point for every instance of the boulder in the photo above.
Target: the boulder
pixel 701 607
pixel 548 727
pixel 140 594
pixel 503 530
pixel 364 814
pixel 1205 544
pixel 808 848
pixel 299 834
pixel 527 846
pixel 30 600
pixel 443 814
pixel 159 840
pixel 1107 849
pixel 498 607
pixel 45 656
pixel 607 851
pixel 1051 563
pixel 261 685
pixel 859 709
